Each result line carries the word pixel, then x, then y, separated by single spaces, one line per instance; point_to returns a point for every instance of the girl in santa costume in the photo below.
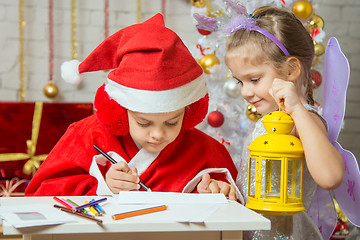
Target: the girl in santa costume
pixel 146 113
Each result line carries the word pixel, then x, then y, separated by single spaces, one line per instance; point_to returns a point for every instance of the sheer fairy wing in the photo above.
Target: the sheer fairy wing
pixel 237 7
pixel 336 79
pixel 323 212
pixel 205 22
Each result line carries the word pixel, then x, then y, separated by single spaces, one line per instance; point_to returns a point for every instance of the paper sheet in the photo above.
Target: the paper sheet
pixel 141 197
pixel 182 207
pixel 31 215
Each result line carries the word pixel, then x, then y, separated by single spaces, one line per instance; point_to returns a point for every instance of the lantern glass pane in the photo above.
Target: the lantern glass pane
pixel 252 176
pixel 271 179
pixel 294 178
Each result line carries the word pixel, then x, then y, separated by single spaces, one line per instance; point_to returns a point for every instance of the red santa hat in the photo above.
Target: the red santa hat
pixel 153 71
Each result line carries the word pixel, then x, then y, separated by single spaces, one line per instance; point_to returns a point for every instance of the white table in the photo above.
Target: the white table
pixel 227 223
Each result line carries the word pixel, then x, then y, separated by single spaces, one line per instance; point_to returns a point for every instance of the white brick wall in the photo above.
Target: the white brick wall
pixel 341 20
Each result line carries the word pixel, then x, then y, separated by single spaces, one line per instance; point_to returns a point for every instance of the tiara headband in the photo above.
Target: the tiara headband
pixel 242 21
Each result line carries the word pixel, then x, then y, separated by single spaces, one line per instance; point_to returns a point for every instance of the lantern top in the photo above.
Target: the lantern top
pixel 277 143
pixel 278 122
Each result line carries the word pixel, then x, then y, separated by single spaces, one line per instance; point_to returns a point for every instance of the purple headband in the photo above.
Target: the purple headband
pixel 248 23
pixel 243 21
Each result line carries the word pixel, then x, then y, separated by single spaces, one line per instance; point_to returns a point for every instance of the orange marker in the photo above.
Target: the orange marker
pixel 139 212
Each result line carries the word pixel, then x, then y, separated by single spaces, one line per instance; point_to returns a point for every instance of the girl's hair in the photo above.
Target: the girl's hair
pixel 285 26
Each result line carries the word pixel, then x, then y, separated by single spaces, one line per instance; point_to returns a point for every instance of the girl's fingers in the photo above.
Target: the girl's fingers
pixel 203 185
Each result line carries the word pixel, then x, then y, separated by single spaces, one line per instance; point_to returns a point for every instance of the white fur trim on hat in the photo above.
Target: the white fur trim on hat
pixel 70 72
pixel 146 101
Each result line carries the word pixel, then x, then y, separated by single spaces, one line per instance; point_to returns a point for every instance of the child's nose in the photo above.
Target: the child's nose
pixel 247 90
pixel 157 133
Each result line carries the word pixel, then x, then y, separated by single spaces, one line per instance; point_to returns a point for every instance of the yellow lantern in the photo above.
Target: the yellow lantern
pixel 276 166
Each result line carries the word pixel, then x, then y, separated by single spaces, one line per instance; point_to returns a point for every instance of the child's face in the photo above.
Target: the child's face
pixel 256 81
pixel 154 131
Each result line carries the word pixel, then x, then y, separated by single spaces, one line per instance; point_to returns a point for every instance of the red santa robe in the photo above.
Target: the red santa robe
pixel 74 167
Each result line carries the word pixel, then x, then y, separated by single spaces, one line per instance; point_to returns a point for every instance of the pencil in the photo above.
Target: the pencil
pixel 76 205
pixel 85 215
pixel 62 202
pixel 90 203
pixel 113 161
pixel 93 210
pixel 99 208
pixel 139 212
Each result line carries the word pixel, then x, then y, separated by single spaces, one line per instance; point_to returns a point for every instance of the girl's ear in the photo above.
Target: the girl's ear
pixel 293 68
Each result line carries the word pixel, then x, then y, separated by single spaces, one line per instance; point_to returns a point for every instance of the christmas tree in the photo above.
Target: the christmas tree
pixel 230 119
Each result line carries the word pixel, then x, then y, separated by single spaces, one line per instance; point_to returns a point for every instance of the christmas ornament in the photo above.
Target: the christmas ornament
pixel 51 90
pixel 208 61
pixel 316 22
pixel 341 231
pixel 198 3
pixel 302 9
pixel 252 114
pixel 319 49
pixel 215 119
pixel 232 88
pixel 316 78
pixel 203 32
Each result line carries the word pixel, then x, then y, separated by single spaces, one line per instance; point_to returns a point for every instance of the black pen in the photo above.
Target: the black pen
pixel 113 161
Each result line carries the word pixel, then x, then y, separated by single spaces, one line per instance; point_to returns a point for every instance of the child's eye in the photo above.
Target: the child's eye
pixel 255 79
pixel 239 82
pixel 171 124
pixel 143 124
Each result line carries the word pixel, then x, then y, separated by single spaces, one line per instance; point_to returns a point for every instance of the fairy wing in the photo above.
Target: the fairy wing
pixel 205 22
pixel 336 79
pixel 336 73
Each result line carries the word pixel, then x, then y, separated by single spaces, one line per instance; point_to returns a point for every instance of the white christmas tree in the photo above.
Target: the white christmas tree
pixel 230 119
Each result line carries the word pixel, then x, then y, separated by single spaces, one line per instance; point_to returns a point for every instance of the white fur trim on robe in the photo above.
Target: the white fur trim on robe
pixel 193 183
pixel 141 161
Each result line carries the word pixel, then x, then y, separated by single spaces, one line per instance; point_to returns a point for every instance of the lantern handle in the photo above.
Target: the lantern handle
pixel 280 102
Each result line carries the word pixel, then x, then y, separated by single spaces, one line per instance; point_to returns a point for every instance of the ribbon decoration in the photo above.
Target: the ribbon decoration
pixel 106 18
pixel 22 24
pixel 139 15
pixel 74 43
pixel 33 163
pixel 10 186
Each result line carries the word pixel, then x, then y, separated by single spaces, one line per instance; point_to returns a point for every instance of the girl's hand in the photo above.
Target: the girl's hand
pixel 207 185
pixel 285 91
pixel 121 177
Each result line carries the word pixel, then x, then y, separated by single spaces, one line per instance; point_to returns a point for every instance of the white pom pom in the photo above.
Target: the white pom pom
pixel 70 72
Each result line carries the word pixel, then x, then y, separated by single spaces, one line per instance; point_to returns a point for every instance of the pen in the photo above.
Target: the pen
pixel 90 203
pixel 78 213
pixel 113 161
pixel 139 212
